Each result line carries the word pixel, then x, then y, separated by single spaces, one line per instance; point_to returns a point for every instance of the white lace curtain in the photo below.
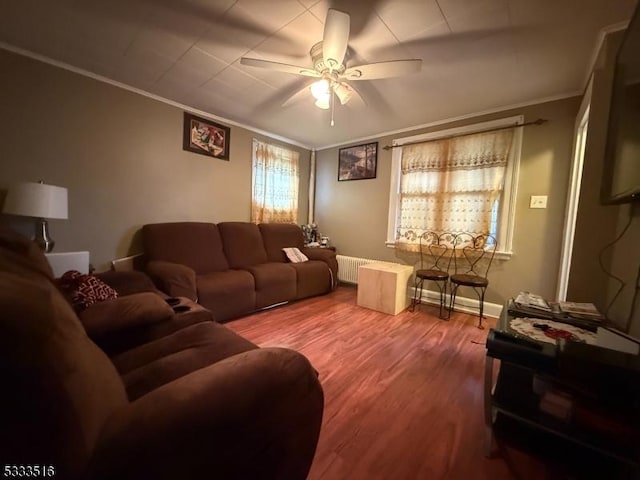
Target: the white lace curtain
pixel 451 185
pixel 275 184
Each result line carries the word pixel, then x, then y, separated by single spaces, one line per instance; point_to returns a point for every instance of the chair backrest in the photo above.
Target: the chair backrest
pixel 435 253
pixel 473 254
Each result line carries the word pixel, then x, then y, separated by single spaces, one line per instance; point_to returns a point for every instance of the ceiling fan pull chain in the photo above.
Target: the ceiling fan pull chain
pixel 333 104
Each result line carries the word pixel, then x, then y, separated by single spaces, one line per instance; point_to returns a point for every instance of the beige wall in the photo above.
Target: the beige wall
pixel 354 213
pixel 598 225
pixel 119 154
pixel 595 223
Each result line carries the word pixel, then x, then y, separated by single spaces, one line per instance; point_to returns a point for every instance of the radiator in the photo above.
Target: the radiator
pixel 348 267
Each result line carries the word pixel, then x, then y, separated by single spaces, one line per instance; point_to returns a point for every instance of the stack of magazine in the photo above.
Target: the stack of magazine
pixel 584 315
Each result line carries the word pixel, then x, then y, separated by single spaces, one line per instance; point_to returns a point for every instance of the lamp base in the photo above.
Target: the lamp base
pixel 42 238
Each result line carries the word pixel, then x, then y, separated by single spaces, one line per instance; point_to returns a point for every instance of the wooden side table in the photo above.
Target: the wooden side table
pixel 383 287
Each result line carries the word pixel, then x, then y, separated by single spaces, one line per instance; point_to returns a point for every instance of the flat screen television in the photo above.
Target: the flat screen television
pixel 621 176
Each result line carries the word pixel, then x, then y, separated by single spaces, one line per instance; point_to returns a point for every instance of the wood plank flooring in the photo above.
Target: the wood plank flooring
pixel 403 394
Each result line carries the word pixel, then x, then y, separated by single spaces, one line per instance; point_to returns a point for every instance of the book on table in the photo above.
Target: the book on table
pixel 580 310
pixel 584 315
pixel 532 301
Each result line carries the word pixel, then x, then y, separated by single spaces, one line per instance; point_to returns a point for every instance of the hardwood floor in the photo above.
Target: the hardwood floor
pixel 403 394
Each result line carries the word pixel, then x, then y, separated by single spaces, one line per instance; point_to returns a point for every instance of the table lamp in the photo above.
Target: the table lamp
pixel 38 200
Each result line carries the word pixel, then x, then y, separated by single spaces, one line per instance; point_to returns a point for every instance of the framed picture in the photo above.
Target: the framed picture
pixel 205 137
pixel 358 163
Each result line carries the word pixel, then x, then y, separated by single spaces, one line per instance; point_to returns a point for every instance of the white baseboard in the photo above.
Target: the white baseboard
pixel 463 304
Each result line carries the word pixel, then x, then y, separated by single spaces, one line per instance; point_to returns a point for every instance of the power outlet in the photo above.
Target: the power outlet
pixel 538 201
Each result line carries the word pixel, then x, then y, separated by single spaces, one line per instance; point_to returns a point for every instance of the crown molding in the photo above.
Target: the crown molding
pixel 124 86
pixel 466 116
pixel 602 35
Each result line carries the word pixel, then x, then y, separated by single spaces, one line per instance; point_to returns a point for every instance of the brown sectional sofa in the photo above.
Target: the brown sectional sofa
pixel 130 389
pixel 235 268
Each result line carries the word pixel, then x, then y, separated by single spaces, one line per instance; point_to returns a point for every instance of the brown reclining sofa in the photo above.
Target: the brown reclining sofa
pixel 129 389
pixel 235 268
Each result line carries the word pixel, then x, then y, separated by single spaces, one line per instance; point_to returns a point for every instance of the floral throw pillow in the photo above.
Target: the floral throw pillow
pixel 84 290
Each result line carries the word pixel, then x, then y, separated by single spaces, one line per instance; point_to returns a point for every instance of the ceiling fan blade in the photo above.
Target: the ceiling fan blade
pixel 335 38
pixel 372 71
pixel 280 67
pixel 304 92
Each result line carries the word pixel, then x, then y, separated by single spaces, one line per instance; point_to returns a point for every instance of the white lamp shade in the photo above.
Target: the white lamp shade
pixel 36 200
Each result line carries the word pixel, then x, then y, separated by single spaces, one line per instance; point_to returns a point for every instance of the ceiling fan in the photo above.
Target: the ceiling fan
pixel 328 57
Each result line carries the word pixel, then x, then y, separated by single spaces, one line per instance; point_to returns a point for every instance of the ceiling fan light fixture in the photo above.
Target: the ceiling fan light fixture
pixel 330 58
pixel 323 103
pixel 320 90
pixel 343 92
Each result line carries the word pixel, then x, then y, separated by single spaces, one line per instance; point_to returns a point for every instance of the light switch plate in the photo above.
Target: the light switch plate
pixel 538 201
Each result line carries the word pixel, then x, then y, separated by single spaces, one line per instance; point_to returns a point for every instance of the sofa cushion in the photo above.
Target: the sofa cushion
pixel 243 244
pixel 59 388
pixel 194 244
pixel 275 283
pixel 277 236
pixel 115 342
pixel 154 364
pixel 125 312
pixel 227 294
pixel 312 278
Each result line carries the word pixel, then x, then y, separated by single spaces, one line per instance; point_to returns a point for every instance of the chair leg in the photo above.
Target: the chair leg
pixel 454 290
pixel 443 300
pixel 417 299
pixel 482 290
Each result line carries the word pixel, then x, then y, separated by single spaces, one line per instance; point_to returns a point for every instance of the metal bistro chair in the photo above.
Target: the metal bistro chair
pixel 472 258
pixel 433 254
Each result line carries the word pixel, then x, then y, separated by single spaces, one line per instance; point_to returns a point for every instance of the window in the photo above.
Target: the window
pixel 455 181
pixel 275 184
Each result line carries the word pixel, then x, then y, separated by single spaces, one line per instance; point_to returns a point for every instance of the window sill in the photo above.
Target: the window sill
pixel 500 255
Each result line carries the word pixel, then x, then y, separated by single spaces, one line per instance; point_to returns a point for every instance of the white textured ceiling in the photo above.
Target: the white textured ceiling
pixel 478 55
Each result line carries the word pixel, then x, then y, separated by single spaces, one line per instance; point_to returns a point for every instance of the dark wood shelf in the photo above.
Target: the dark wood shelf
pixel 600 438
pixel 565 459
pixel 514 397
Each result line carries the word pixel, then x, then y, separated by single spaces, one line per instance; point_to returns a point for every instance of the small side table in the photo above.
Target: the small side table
pixel 65 261
pixel 327 247
pixel 383 287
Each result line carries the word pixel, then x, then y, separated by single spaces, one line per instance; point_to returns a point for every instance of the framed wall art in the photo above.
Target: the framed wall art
pixel 359 162
pixel 205 137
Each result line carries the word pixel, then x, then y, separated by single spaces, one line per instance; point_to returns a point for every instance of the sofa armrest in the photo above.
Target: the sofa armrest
pixel 126 312
pixel 326 255
pixel 253 415
pixel 175 279
pixel 127 282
